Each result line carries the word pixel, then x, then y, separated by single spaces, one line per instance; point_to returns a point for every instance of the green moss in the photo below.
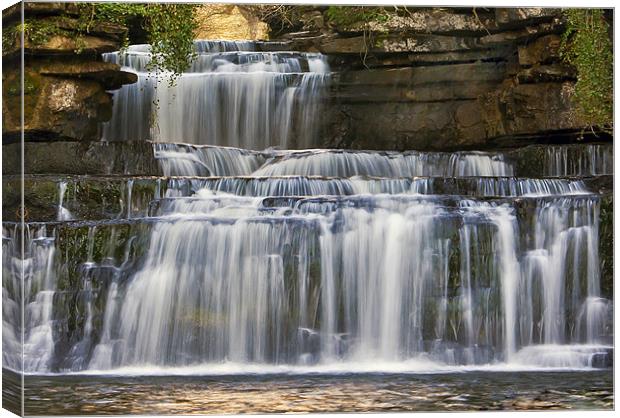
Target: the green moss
pixel 347 15
pixel 41 31
pixel 586 45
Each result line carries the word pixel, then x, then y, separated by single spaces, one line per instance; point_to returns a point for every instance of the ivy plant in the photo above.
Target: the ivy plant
pixel 169 29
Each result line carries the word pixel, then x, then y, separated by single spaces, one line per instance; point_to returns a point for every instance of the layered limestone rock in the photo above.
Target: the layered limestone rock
pixel 65 82
pixel 443 78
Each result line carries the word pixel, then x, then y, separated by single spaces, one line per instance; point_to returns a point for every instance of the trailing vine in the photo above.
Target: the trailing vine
pixel 586 45
pixel 169 29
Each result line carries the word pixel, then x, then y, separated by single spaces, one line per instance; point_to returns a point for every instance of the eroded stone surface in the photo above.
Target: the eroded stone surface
pixel 65 82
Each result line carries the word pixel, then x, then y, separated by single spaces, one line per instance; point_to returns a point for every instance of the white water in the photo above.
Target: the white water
pixel 313 261
pixel 232 281
pixel 334 163
pixel 578 160
pixel 303 274
pixel 63 213
pixel 39 286
pixel 231 95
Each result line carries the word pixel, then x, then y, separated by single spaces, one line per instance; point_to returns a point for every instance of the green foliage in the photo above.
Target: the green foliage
pixel 39 32
pixel 35 31
pixel 586 45
pixel 169 27
pixel 347 15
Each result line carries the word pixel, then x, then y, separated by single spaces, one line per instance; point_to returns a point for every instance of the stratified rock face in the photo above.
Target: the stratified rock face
pixel 445 78
pixel 65 82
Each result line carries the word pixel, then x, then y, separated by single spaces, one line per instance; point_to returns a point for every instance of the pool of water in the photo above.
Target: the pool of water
pixel 464 391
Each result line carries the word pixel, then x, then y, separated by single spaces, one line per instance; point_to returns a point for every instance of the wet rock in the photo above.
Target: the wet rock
pixel 541 51
pixel 603 360
pixel 70 157
pixel 606 246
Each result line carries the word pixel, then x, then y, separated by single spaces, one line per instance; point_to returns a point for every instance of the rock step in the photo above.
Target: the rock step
pixel 112 197
pixel 140 158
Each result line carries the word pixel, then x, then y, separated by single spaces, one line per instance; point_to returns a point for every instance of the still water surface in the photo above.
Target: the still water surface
pixel 83 395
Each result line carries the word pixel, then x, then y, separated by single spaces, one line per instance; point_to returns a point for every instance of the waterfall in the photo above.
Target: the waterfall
pixel 63 213
pixel 39 287
pixel 335 163
pixel 320 260
pixel 232 95
pixel 256 252
pixel 188 160
pixel 562 160
pixel 357 280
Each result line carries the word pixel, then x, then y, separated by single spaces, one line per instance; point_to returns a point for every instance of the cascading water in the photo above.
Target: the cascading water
pixel 276 260
pixel 360 273
pixel 39 288
pixel 63 213
pixel 574 160
pixel 232 95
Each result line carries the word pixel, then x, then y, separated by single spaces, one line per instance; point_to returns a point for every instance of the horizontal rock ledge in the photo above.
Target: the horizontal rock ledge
pixel 109 74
